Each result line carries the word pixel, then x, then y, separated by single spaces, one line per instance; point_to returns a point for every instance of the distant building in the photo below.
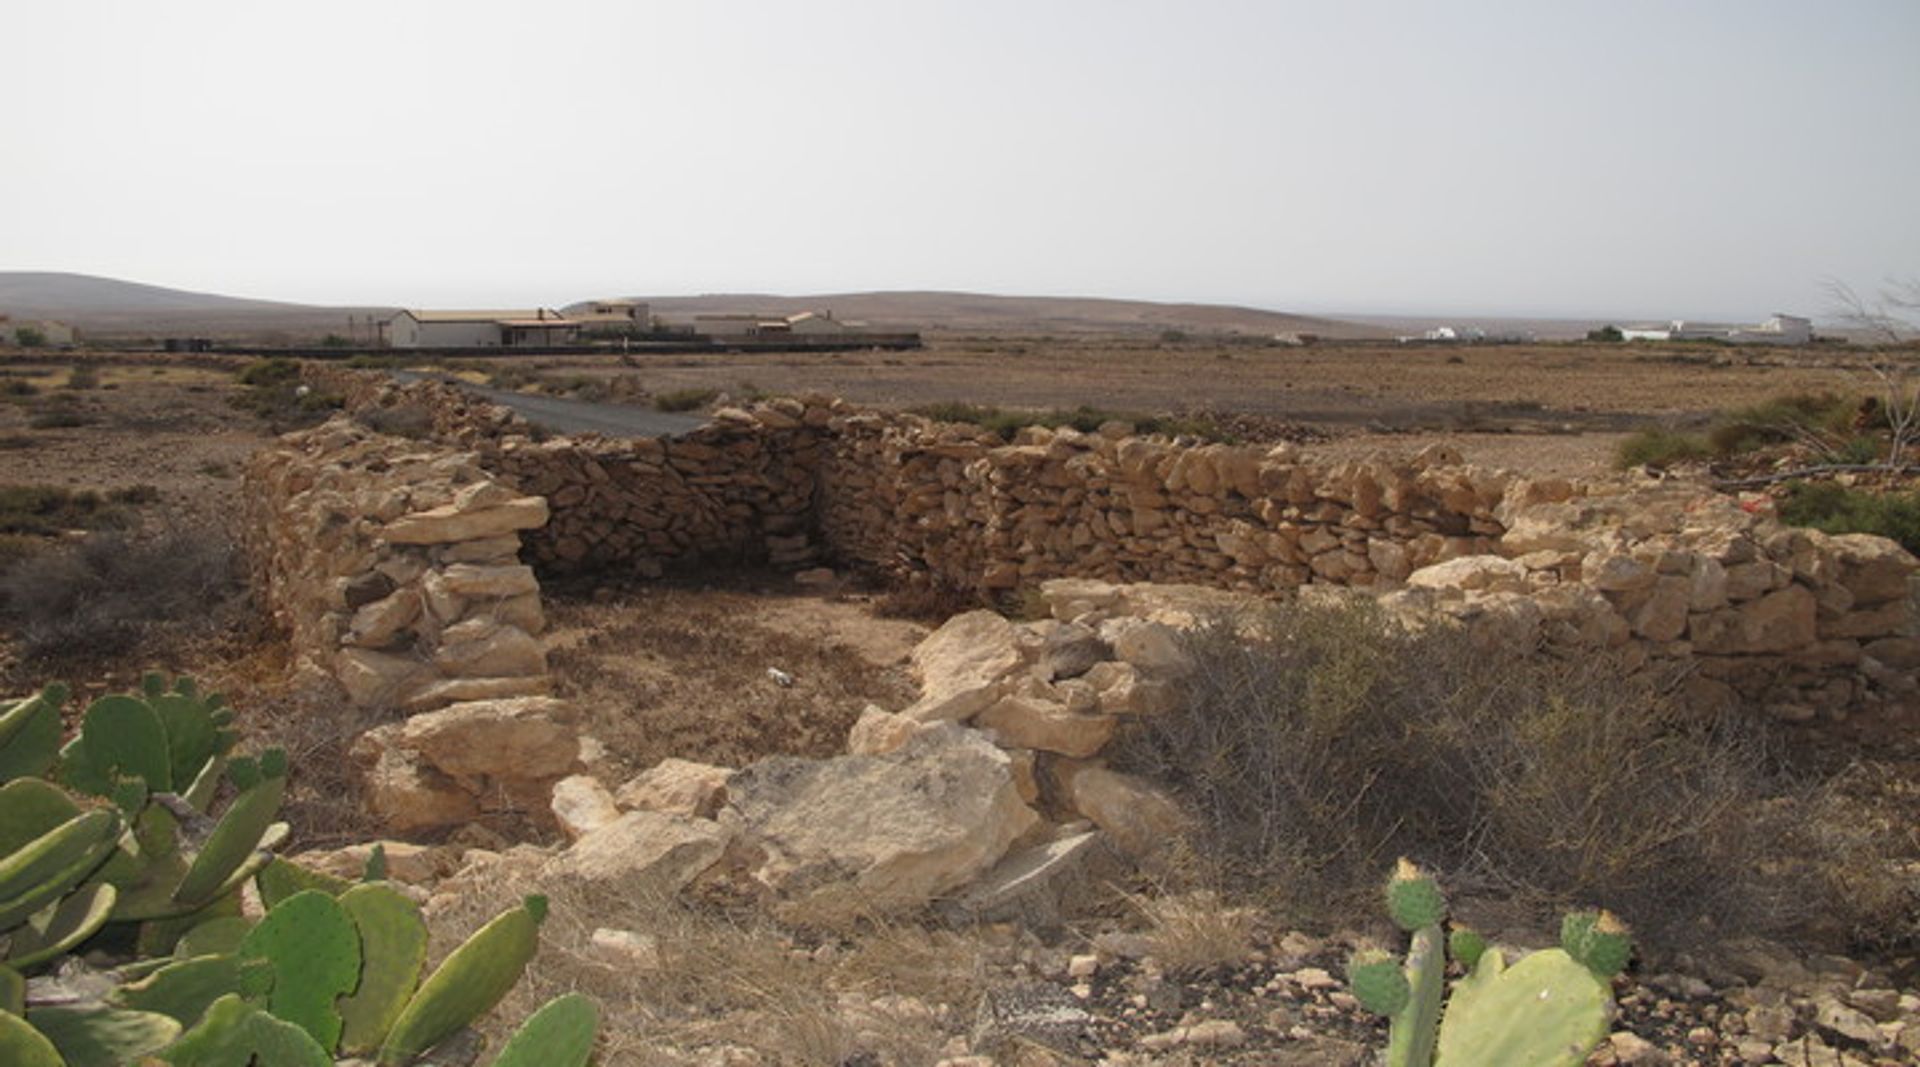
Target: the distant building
pixel 1778 330
pixel 51 332
pixel 614 316
pixel 724 325
pixel 536 328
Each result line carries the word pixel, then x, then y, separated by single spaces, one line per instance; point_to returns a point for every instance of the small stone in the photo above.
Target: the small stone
pixel 1083 966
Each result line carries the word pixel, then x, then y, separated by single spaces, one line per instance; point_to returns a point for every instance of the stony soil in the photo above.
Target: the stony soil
pixel 662 669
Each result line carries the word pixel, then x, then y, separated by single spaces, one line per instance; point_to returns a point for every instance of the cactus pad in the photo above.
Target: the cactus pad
pixel 60 928
pixel 23 1046
pixel 120 737
pixel 30 734
pixel 185 989
pixel 315 952
pixel 1597 939
pixel 103 1037
pixel 1546 1010
pixel 1465 944
pixel 1379 982
pixel 239 832
pixel 468 983
pixel 234 1033
pixel 393 950
pixel 560 1034
pixel 1413 898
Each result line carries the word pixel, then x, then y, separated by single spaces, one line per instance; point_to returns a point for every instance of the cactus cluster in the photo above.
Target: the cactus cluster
pixel 111 843
pixel 1548 1010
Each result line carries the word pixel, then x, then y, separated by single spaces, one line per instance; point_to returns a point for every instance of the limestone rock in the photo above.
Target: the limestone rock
pixel 449 523
pixel 963 666
pixel 643 852
pixel 582 805
pixel 1036 885
pixel 1471 574
pixel 677 787
pixel 521 738
pixel 1152 647
pixel 892 831
pixel 879 731
pixel 407 795
pixel 1024 722
pixel 1139 818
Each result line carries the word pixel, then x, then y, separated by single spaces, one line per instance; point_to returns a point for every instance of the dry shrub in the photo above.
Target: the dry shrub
pixel 105 594
pixel 325 805
pixel 1319 741
pixel 929 601
pixel 725 979
pixel 1194 931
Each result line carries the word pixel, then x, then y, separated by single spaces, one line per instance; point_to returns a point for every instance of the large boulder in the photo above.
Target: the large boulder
pixel 891 831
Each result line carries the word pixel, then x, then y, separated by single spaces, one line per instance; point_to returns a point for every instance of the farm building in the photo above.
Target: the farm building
pixel 537 328
pixel 613 317
pixel 1778 330
pixel 805 323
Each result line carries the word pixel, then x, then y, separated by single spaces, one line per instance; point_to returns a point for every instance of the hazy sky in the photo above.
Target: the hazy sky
pixel 1635 159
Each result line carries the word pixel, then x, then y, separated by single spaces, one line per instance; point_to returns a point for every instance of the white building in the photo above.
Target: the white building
pixel 1778 330
pixel 539 327
pixel 750 324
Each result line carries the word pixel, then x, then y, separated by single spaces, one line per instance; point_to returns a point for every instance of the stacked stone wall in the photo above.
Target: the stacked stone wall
pixel 1796 620
pixel 394 566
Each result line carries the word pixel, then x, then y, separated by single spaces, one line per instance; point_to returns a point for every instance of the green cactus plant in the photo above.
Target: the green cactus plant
pixel 468 983
pixel 393 947
pixel 315 951
pixel 1550 1009
pixel 30 733
pixel 560 1034
pixel 333 968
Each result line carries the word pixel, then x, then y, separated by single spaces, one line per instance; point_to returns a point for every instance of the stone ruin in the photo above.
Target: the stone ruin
pixel 396 566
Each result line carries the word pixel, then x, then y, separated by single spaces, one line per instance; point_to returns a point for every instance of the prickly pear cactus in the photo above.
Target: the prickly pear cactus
pixel 560 1034
pixel 468 983
pixel 23 1046
pixel 234 1033
pixel 30 733
pixel 393 949
pixel 315 951
pixel 1547 1010
pixel 120 737
pixel 239 832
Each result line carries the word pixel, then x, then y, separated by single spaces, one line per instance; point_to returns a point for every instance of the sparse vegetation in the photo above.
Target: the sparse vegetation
pixel 1658 447
pixel 102 595
pixel 276 395
pixel 1823 420
pixel 1609 334
pixel 1317 739
pixel 1839 509
pixel 47 510
pixel 1006 423
pixel 685 399
pixel 29 337
pixel 82 377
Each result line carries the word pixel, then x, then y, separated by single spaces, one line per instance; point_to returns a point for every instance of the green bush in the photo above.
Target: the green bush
pixel 1837 509
pixel 278 370
pixel 1313 740
pixel 1606 335
pixel 685 399
pixel 1823 416
pixel 1658 447
pixel 29 337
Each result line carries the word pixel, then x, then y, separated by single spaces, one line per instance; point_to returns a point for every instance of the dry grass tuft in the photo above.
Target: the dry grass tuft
pixel 718 979
pixel 1196 930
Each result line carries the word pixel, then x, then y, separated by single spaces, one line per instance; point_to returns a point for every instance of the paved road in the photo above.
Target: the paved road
pixel 562 416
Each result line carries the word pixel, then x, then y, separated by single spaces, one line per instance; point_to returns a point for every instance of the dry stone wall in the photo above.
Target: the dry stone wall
pixel 1804 623
pixel 394 565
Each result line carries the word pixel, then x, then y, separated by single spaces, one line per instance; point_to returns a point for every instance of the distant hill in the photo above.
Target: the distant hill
pixel 108 308
pixel 983 313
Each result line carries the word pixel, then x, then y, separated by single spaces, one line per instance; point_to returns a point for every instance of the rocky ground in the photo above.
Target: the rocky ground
pixel 1132 979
